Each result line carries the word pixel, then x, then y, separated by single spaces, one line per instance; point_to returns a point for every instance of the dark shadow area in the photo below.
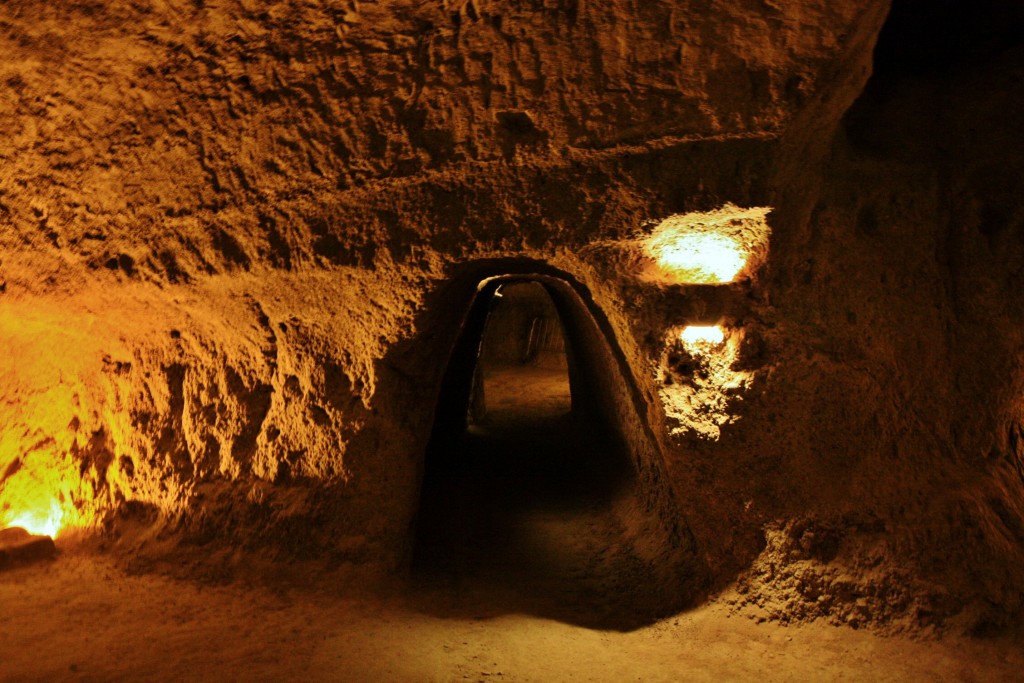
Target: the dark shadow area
pixel 925 38
pixel 529 495
pixel 923 49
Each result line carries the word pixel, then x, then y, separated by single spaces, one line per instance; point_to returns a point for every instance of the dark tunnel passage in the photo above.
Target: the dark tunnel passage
pixel 522 365
pixel 531 499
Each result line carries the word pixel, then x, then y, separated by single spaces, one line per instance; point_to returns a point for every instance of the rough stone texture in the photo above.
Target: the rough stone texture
pixel 18 547
pixel 898 298
pixel 226 229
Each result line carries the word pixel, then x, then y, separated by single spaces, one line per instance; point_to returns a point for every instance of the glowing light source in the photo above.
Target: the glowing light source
pixel 53 383
pixel 40 521
pixel 699 258
pixel 701 337
pixel 711 247
pixel 697 380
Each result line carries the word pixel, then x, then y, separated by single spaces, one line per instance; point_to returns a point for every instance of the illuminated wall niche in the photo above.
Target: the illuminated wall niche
pixel 696 375
pixel 706 248
pixel 697 380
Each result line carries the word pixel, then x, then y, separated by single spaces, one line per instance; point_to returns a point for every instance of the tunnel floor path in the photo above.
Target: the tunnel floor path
pixel 84 618
pixel 527 521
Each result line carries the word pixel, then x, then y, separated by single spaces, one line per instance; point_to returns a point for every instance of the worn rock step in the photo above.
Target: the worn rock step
pixel 19 547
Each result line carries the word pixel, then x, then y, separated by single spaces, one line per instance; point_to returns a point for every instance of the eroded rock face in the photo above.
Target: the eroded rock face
pixel 18 547
pixel 226 231
pixel 899 299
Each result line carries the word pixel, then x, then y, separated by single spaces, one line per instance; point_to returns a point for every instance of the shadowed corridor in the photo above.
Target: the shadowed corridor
pixel 521 513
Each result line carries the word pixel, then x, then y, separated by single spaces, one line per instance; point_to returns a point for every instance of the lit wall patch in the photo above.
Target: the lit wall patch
pixel 697 379
pixel 707 248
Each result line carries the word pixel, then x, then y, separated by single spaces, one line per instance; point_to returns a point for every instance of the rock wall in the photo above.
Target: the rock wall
pixel 226 229
pixel 897 295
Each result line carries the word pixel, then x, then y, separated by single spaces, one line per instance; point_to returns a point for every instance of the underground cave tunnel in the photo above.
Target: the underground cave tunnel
pixel 529 483
pixel 227 235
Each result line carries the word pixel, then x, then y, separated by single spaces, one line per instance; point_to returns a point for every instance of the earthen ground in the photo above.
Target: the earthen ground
pixel 81 618
pixel 525 519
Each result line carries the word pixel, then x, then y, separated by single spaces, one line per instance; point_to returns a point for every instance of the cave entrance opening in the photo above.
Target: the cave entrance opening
pixel 530 495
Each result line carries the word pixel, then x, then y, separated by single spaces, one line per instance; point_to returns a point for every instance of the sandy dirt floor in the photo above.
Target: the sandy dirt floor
pixel 524 513
pixel 524 590
pixel 82 619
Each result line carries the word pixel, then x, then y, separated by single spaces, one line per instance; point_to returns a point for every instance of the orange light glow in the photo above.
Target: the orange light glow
pixel 45 521
pixel 38 500
pixel 707 248
pixel 697 338
pixel 50 375
pixel 698 382
pixel 699 258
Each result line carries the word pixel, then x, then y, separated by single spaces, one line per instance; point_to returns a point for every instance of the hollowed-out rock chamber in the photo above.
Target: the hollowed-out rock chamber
pixel 249 252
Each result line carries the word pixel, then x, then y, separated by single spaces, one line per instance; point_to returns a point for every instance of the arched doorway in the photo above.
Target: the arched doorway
pixel 542 488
